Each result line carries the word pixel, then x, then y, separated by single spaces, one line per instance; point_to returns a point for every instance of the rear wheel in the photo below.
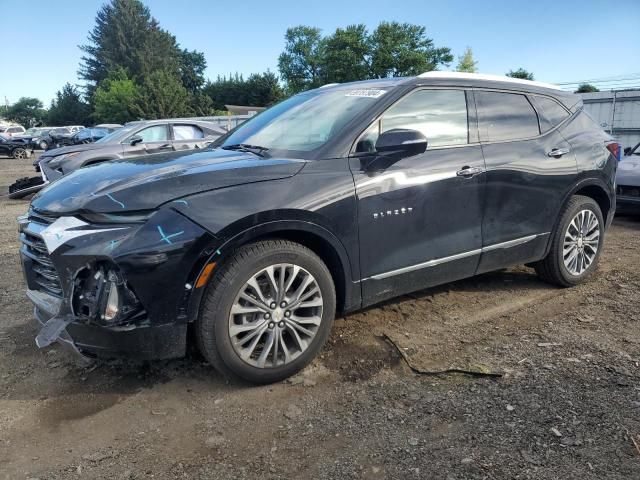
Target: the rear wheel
pixel 267 312
pixel 576 244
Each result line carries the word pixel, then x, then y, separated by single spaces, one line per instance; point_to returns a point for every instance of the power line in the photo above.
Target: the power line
pixel 626 76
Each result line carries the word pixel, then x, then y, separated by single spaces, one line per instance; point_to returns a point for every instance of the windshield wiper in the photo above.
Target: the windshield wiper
pixel 244 147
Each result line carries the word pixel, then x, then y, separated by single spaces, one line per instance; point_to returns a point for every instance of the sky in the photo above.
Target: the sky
pixel 559 41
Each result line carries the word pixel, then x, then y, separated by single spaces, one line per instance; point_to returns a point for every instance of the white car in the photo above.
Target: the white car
pixel 11 130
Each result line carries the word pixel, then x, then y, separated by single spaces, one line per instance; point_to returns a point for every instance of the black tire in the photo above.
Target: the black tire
pixel 552 268
pixel 19 153
pixel 212 325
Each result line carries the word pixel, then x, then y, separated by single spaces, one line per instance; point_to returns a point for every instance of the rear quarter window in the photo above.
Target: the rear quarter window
pixel 551 113
pixel 505 116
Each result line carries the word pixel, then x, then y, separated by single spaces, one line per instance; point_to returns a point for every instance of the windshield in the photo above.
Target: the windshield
pixel 118 134
pixel 305 122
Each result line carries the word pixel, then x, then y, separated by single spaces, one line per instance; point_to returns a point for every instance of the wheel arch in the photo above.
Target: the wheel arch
pixel 593 188
pixel 317 238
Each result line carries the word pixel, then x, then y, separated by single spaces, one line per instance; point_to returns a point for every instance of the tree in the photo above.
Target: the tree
pixel 259 90
pixel 27 111
pixel 346 55
pixel 587 88
pixel 403 49
pixel 520 73
pixel 300 64
pixel 126 36
pixel 466 63
pixel 192 67
pixel 68 108
pixel 162 95
pixel 114 99
pixel 263 90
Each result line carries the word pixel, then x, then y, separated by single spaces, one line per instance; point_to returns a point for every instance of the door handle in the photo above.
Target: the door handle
pixel 468 172
pixel 558 152
pixel 166 146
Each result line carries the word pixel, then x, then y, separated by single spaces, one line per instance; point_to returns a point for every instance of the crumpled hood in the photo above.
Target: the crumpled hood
pixel 628 172
pixel 144 183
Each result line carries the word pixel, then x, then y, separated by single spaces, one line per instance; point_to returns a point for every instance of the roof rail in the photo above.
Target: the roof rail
pixel 482 76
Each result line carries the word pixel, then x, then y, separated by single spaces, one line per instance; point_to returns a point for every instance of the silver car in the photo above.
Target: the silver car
pixel 628 180
pixel 134 139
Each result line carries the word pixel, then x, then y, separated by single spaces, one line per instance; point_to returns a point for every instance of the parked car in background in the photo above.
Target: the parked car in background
pixel 330 201
pixel 628 181
pixel 88 135
pixel 11 130
pixel 32 136
pixel 53 137
pixel 14 147
pixel 132 140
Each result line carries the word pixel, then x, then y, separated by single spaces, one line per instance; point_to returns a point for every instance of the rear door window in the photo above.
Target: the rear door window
pixel 551 113
pixel 505 116
pixel 187 132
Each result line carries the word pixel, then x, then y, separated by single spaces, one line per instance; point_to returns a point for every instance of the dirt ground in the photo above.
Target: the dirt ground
pixel 567 405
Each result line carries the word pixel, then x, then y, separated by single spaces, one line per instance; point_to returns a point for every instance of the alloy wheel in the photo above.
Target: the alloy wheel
pixel 581 242
pixel 20 153
pixel 275 316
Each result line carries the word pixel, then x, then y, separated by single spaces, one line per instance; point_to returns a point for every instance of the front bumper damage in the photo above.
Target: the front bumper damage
pixel 69 265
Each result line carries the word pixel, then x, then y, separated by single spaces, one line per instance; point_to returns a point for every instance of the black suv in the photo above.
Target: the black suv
pixel 330 201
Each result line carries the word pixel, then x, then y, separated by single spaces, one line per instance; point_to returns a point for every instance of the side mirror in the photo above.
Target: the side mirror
pixel 396 144
pixel 136 139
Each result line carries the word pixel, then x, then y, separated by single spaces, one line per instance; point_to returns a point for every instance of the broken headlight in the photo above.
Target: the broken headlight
pixel 111 218
pixel 101 294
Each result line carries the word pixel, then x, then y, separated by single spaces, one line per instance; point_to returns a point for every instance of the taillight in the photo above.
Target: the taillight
pixel 614 148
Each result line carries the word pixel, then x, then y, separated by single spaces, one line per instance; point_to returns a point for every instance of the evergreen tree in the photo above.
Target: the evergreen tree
pixel 68 108
pixel 162 95
pixel 126 36
pixel 466 63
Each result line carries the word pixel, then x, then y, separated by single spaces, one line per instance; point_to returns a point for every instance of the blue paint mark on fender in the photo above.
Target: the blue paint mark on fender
pixel 112 245
pixel 117 201
pixel 166 238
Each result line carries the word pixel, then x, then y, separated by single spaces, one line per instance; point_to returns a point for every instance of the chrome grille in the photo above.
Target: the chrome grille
pixel 33 247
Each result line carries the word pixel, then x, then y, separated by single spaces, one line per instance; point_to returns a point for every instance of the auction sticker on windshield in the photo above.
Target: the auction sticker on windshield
pixel 365 92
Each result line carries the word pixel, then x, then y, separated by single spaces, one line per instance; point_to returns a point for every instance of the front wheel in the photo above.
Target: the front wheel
pixel 20 153
pixel 576 244
pixel 267 312
pixel 43 145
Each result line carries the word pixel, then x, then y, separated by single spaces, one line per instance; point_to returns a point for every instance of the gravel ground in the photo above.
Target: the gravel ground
pixel 567 403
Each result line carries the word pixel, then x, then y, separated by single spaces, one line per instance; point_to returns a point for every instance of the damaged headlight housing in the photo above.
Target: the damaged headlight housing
pixel 102 295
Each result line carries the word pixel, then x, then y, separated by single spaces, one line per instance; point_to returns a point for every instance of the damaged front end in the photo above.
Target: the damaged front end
pixel 112 285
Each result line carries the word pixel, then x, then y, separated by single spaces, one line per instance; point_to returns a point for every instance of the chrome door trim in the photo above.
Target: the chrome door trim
pixel 439 261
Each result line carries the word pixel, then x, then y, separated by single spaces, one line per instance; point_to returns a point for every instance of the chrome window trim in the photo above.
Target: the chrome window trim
pixel 438 261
